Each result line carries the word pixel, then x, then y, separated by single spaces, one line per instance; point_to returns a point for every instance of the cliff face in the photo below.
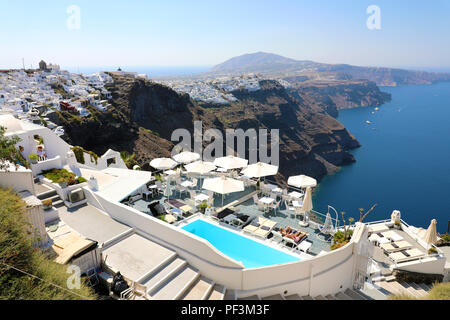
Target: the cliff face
pixel 146 113
pixel 332 96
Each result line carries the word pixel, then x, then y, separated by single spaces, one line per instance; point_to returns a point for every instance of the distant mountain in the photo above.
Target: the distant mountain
pixel 260 62
pixel 279 66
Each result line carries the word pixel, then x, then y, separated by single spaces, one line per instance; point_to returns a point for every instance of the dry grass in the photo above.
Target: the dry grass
pixel 440 291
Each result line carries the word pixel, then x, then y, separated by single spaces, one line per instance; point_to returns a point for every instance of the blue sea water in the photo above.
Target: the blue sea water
pixel 252 254
pixel 404 161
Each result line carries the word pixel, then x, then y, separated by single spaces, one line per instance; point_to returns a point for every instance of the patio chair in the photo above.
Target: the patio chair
pixel 291 242
pixel 274 206
pixel 277 237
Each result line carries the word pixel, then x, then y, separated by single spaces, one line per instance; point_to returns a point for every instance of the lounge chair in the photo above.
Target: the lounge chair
pixel 304 246
pixel 254 225
pixel 406 255
pixel 263 231
pixel 396 246
pixel 392 235
pixel 378 228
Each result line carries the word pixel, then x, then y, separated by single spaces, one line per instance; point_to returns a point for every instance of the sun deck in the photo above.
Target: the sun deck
pixel 243 203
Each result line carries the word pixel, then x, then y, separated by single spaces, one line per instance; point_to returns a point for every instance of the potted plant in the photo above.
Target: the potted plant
pixel 397 224
pixel 48 204
pixel 432 251
pixel 33 158
pixel 202 207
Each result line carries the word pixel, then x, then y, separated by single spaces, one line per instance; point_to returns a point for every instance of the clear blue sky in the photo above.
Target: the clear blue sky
pixel 207 32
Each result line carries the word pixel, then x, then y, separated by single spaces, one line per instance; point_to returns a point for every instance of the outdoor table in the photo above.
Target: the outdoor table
pixel 297 204
pixel 266 200
pixel 296 194
pixel 187 184
pixel 201 197
pixel 170 172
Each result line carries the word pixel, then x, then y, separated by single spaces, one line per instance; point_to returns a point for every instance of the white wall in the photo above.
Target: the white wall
pixel 17 180
pixel 331 273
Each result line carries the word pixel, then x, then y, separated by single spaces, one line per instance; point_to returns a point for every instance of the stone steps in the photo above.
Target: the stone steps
pixel 217 293
pixel 274 297
pixel 163 273
pixel 342 296
pixel 200 290
pixel 176 285
pixel 293 297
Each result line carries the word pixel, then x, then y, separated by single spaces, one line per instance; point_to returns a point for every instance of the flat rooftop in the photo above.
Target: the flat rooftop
pixel 135 256
pixel 92 223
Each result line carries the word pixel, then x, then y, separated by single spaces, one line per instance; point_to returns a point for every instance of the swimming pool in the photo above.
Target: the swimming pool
pixel 251 253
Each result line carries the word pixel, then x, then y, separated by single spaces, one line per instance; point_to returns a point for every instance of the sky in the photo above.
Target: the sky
pixel 204 33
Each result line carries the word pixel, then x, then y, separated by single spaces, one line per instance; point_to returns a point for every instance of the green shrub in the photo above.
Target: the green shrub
pixel 445 237
pixel 16 250
pixel 33 156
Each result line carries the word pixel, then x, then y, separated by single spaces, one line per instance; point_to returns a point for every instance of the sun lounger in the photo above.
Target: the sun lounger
pixel 392 235
pixel 407 255
pixel 304 246
pixel 396 246
pixel 255 224
pixel 263 231
pixel 378 228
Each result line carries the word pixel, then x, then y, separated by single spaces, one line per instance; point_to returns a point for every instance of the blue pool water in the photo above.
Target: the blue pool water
pixel 251 253
pixel 404 161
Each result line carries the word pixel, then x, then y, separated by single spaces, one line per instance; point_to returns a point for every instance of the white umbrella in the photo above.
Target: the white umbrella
pixel 302 181
pixel 163 163
pixel 223 185
pixel 259 170
pixel 186 157
pixel 431 234
pixel 231 162
pixel 307 201
pixel 200 167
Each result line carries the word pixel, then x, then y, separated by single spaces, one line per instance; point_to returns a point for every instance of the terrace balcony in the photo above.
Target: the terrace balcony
pixel 241 204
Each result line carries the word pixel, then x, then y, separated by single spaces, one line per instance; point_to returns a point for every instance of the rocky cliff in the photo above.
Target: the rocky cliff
pixel 332 96
pixel 146 113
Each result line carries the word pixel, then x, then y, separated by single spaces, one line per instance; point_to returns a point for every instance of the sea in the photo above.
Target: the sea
pixel 404 161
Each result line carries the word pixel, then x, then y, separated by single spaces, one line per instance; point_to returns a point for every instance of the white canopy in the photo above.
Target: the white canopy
pixel 200 167
pixel 163 163
pixel 259 170
pixel 302 181
pixel 186 157
pixel 231 162
pixel 223 185
pixel 431 234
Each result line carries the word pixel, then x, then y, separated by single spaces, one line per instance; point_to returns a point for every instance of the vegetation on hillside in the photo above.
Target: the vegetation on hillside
pixel 27 273
pixel 440 291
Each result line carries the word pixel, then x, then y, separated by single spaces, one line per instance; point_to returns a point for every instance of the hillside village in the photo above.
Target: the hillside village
pixel 32 95
pixel 217 90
